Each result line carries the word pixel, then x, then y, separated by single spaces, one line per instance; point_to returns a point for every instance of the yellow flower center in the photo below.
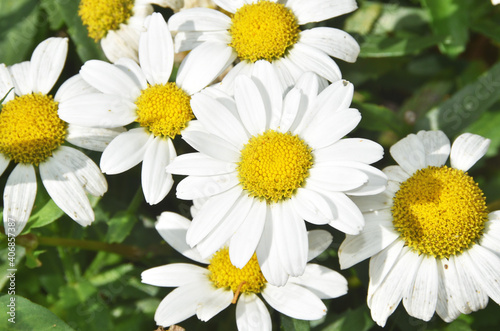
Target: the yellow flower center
pixel 273 165
pixel 164 109
pixel 30 129
pixel 263 31
pixel 439 211
pixel 101 16
pixel 223 274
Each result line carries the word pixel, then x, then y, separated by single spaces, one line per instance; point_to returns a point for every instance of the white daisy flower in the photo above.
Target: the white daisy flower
pixel 32 136
pixel 207 291
pixel 117 24
pixel 129 93
pixel 267 163
pixel 431 241
pixel 495 2
pixel 264 30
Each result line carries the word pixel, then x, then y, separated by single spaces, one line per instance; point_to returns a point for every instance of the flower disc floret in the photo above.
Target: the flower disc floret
pixel 224 274
pixel 102 16
pixel 263 31
pixel 30 129
pixel 439 211
pixel 164 109
pixel 273 165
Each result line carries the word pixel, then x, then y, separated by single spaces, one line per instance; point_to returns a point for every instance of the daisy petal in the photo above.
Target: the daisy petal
pixel 47 63
pixel 485 270
pixel 294 301
pixel 348 218
pixel 73 87
pixel 132 69
pixel 292 105
pixel 436 146
pixel 188 40
pixel 199 19
pixel 194 187
pixel 250 105
pixel 230 5
pixel 334 42
pixel 21 77
pixel 214 303
pixel 311 206
pixel 211 145
pixel 323 282
pixel 473 295
pixel 350 149
pixel 319 241
pixel 197 164
pixel 95 139
pixel 467 149
pixel 122 43
pixel 252 314
pixel 156 182
pixel 156 51
pixel 448 291
pixel 4 163
pixel 87 172
pixel 336 178
pixel 396 173
pixel 173 228
pixel 312 59
pixel 173 275
pixel 19 196
pixel 66 190
pixel 271 89
pixel 6 84
pixel 409 153
pixel 320 10
pixel 125 151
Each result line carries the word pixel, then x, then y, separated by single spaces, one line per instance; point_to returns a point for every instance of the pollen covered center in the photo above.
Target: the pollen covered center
pixel 102 16
pixel 30 129
pixel 223 274
pixel 439 211
pixel 273 165
pixel 263 31
pixel 164 109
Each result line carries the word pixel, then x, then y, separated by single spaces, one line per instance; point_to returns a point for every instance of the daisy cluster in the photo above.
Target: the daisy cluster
pixel 267 113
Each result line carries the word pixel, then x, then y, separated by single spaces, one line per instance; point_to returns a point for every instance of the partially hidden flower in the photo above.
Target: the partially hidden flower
pixel 117 24
pixel 33 137
pixel 205 291
pixel 267 163
pixel 264 30
pixel 128 93
pixel 429 237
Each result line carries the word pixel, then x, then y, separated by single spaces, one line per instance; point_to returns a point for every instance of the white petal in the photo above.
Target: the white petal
pixel 312 59
pixel 199 19
pixel 377 180
pixel 197 164
pixel 4 163
pixel 211 214
pixel 289 232
pixel 73 87
pixel 334 42
pixel 181 303
pixel 110 79
pixel 214 303
pixel 319 241
pixel 474 297
pixel 227 83
pixel 156 51
pixel 244 242
pixel 336 178
pixel 486 271
pixel 188 40
pixel 323 282
pixel 47 63
pixel 21 77
pixel 132 69
pixel 211 145
pixel 98 110
pixel 173 228
pixel 156 182
pixel 203 64
pixel 66 190
pixel 219 120
pixel 491 234
pixel 449 295
pixel 252 314
pixel 231 6
pixel 467 149
pixel 6 84
pixel 293 106
pixel 396 173
pixel 294 301
pixel 250 105
pixel 19 196
pixel 421 298
pixel 350 149
pixel 311 206
pixel 436 146
pixel 87 172
pixel 319 10
pixel 194 187
pixel 377 234
pixel 173 275
pixel 125 151
pixel 373 202
pixel 95 139
pixel 409 153
pixel 348 217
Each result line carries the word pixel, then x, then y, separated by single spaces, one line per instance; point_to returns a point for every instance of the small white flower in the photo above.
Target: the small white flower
pixel 117 24
pixel 207 291
pixel 268 163
pixel 431 241
pixel 32 134
pixel 495 2
pixel 128 93
pixel 264 30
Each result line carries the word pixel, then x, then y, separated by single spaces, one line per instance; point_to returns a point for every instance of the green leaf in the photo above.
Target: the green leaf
pixel 363 19
pixel 54 15
pixel 9 262
pixel 487 126
pixel 49 213
pixel 120 226
pixel 391 46
pixel 358 319
pixel 488 28
pixel 32 260
pixel 449 18
pixel 465 106
pixel 29 316
pixel 19 24
pixel 379 118
pixel 292 324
